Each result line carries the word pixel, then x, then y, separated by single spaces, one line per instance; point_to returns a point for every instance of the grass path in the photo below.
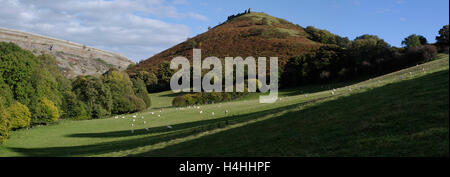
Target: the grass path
pixel 307 121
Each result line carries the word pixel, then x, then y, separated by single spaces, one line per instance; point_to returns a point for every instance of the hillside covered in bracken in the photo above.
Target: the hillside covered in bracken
pixel 249 34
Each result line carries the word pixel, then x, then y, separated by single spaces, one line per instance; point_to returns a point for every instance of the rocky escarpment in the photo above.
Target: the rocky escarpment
pixel 73 59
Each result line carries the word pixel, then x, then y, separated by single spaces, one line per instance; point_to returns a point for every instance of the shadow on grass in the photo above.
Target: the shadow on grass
pixel 172 94
pixel 339 128
pixel 163 134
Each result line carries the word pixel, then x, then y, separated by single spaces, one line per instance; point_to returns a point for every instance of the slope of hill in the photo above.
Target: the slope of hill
pixel 252 34
pixel 404 113
pixel 73 59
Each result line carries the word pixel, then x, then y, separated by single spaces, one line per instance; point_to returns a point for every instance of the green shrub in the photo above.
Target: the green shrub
pixel 164 76
pixel 122 92
pixel 94 94
pixel 189 99
pixel 138 103
pixel 414 41
pixel 73 108
pixel 98 111
pixel 179 101
pixel 149 78
pixel 45 112
pixel 20 116
pixel 16 68
pixel 214 97
pixel 4 124
pixel 140 91
pixel 227 96
pixel 5 93
pixel 206 98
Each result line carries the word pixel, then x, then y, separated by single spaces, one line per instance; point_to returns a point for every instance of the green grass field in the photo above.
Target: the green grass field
pixel 404 113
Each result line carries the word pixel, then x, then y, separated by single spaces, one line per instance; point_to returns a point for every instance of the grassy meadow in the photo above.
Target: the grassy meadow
pixel 404 113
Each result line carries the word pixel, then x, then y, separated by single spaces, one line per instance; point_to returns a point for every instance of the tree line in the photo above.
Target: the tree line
pixel 33 91
pixel 367 55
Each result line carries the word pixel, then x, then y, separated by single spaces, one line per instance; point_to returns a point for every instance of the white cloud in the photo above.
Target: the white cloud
pixel 122 26
pixel 180 2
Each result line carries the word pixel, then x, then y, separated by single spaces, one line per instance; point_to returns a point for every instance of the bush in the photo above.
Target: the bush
pixel 98 111
pixel 205 98
pixel 164 76
pixel 149 78
pixel 20 116
pixel 179 101
pixel 5 93
pixel 73 108
pixel 138 103
pixel 122 92
pixel 16 68
pixel 414 41
pixel 140 91
pixel 123 105
pixel 94 94
pixel 45 112
pixel 421 54
pixel 4 124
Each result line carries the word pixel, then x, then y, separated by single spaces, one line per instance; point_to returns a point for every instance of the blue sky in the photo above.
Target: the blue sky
pixel 141 28
pixel 392 20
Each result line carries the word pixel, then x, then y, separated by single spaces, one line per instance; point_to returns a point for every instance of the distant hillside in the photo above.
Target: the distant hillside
pixel 72 58
pixel 252 34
